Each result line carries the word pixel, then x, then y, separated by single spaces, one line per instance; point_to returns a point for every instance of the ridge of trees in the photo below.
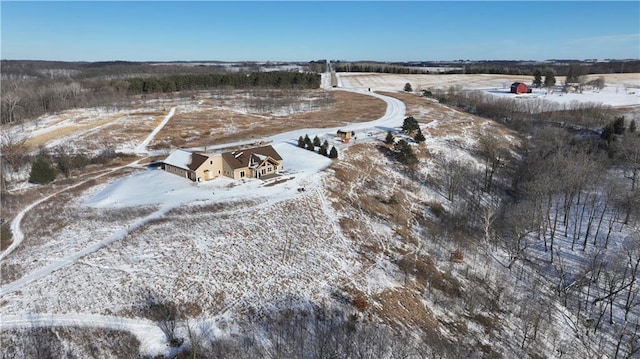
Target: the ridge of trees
pixel 561 68
pixel 275 79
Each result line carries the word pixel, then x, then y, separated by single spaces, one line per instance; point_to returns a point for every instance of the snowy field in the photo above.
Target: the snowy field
pixel 620 90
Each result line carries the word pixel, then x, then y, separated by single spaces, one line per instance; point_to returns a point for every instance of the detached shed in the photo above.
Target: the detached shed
pixel 519 87
pixel 345 136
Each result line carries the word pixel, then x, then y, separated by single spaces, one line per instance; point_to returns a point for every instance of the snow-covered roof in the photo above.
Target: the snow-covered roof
pixel 185 160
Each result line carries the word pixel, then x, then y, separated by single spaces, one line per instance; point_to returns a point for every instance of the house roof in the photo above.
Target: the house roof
pixel 516 84
pixel 185 160
pixel 250 157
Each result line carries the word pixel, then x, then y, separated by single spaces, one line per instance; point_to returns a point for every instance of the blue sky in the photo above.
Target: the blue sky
pixel 304 31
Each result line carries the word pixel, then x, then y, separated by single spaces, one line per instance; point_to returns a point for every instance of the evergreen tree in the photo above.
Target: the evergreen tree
pixel 325 144
pixel 618 125
pixel 549 78
pixel 316 141
pixel 311 147
pixel 307 141
pixel 407 87
pixel 632 126
pixel 301 142
pixel 608 133
pixel 410 124
pixel 404 153
pixel 333 153
pixel 389 139
pixel 42 171
pixel 537 78
pixel 419 136
pixel 323 150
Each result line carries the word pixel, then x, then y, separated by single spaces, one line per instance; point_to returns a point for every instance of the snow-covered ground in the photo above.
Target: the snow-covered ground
pixel 620 90
pixel 230 246
pixel 67 263
pixel 610 95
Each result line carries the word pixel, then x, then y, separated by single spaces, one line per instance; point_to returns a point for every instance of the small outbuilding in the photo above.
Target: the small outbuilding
pixel 519 87
pixel 345 136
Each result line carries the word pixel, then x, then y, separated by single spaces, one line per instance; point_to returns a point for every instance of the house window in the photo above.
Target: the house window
pixel 263 171
pixel 241 174
pixel 210 162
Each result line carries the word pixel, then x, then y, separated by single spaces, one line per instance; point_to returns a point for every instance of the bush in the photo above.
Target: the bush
pixel 42 171
pixel 407 87
pixel 5 235
pixel 389 139
pixel 404 153
pixel 457 256
pixel 360 302
pixel 437 209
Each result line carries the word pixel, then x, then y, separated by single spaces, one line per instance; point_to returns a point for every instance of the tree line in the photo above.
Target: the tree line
pixel 275 79
pixel 560 68
pixel 379 68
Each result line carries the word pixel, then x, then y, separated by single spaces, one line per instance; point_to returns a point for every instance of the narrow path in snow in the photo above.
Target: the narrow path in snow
pixel 142 148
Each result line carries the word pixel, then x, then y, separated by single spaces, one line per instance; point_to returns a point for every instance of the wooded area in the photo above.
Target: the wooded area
pixel 33 88
pixel 559 207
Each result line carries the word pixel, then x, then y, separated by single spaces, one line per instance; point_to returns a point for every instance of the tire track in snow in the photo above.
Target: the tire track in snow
pixel 142 148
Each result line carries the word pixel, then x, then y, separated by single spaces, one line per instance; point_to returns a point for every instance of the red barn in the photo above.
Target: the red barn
pixel 519 87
